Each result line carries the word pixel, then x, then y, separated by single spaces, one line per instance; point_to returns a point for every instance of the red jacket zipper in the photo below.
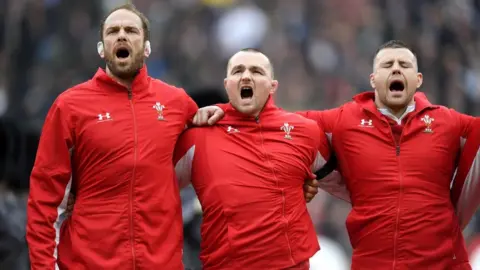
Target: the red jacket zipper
pixel 257 120
pixel 132 182
pixel 395 235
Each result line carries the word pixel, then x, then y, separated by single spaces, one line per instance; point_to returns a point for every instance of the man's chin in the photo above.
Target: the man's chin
pixel 248 109
pixel 397 104
pixel 123 72
pixel 124 69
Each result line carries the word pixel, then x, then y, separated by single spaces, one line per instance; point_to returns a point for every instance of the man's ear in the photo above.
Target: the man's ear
pixel 372 80
pixel 148 49
pixel 419 80
pixel 274 87
pixel 100 49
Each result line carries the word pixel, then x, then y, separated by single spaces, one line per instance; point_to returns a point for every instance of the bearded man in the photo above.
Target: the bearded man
pixel 110 141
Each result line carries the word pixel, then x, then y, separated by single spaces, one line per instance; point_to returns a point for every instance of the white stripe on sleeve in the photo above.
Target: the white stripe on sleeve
pixel 183 168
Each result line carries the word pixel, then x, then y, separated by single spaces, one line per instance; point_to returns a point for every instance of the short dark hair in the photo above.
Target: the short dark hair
pixel 394 44
pixel 133 9
pixel 254 50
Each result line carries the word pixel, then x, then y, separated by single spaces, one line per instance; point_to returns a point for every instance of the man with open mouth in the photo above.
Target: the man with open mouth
pixel 110 141
pixel 248 171
pixel 397 155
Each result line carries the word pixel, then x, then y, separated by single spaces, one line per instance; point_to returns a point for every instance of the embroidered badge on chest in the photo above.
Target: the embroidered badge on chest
pixel 159 108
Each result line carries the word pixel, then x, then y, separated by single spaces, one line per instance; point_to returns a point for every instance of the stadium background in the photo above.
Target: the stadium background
pixel 321 49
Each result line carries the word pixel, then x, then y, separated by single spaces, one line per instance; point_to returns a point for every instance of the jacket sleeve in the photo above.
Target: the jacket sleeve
pixel 183 157
pixel 190 108
pixel 50 183
pixel 465 188
pixel 326 119
pixel 324 166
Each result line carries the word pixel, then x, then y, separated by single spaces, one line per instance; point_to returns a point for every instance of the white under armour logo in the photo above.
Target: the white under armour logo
pixel 104 117
pixel 366 123
pixel 230 129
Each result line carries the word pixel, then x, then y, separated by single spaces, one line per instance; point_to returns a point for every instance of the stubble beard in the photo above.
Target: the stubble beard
pixel 127 72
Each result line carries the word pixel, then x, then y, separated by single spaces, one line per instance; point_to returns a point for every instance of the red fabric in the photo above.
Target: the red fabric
pixel 402 216
pixel 396 129
pixel 248 177
pixel 466 185
pixel 127 213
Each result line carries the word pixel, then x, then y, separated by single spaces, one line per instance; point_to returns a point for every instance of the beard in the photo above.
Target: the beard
pixel 128 70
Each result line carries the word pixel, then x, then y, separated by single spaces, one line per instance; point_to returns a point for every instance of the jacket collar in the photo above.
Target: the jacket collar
pixel 268 109
pixel 140 83
pixel 367 101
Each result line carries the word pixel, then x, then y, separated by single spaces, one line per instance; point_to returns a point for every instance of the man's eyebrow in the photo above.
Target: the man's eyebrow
pixel 255 67
pixel 124 26
pixel 390 61
pixel 112 27
pixel 237 67
pixel 259 67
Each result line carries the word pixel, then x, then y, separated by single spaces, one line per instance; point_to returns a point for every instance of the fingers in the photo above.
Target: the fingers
pixel 310 189
pixel 201 117
pixel 195 120
pixel 207 115
pixel 217 115
pixel 70 204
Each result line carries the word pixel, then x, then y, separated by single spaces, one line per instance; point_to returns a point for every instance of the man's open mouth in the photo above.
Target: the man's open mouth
pixel 122 53
pixel 396 86
pixel 246 92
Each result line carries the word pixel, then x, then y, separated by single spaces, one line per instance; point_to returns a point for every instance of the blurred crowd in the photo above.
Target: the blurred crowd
pixel 322 52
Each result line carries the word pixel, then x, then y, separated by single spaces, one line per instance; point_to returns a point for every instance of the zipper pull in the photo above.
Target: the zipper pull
pixel 398 150
pixel 257 119
pixel 129 93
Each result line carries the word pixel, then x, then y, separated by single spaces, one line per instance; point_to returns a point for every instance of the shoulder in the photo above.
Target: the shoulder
pixel 443 115
pixel 75 95
pixel 168 89
pixel 299 121
pixel 350 107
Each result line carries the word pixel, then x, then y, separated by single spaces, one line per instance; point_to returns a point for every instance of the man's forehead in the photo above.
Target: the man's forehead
pixel 123 17
pixel 250 59
pixel 389 54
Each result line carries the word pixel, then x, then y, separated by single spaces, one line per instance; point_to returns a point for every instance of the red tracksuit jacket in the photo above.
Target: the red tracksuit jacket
pixel 113 147
pixel 248 174
pixel 399 179
pixel 466 185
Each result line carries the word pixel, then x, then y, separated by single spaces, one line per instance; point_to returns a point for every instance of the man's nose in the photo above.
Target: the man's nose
pixel 246 76
pixel 122 36
pixel 396 69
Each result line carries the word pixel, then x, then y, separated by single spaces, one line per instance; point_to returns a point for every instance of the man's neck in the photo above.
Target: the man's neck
pixel 125 82
pixel 397 112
